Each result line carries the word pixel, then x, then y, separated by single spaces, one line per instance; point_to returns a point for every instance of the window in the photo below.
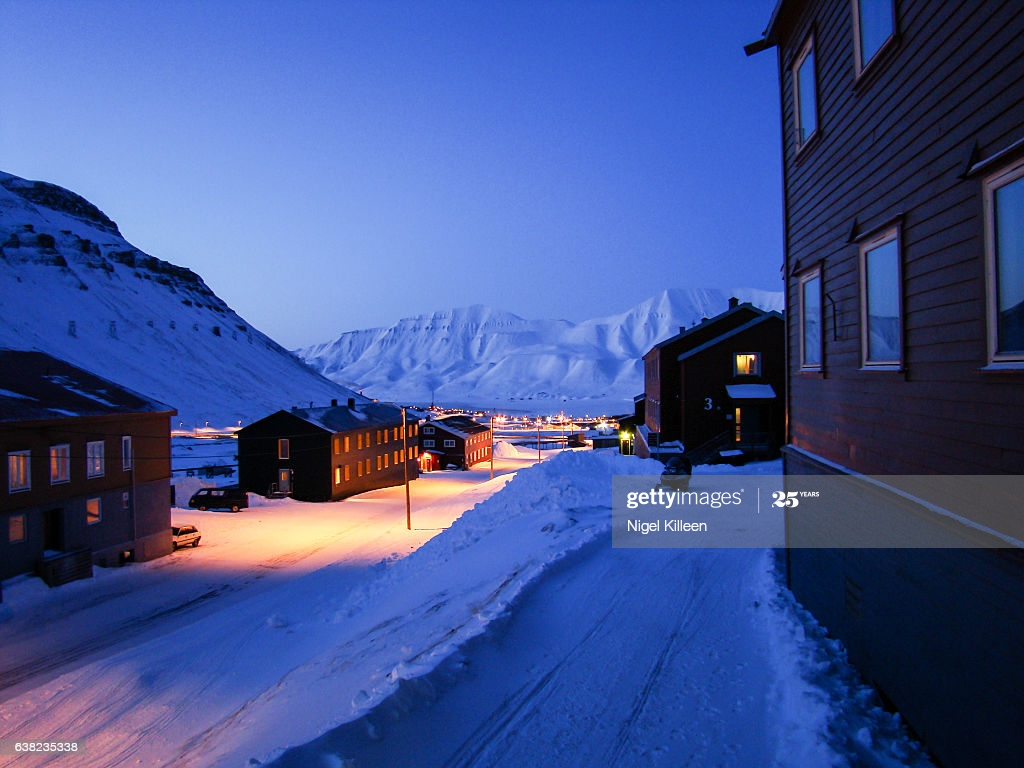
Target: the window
pixel 359 441
pixel 93 511
pixel 60 463
pixel 94 459
pixel 881 306
pixel 1004 243
pixel 284 448
pixel 874 24
pixel 348 443
pixel 126 453
pixel 15 528
pixel 428 430
pixel 449 443
pixel 19 477
pixel 747 364
pixel 337 475
pixel 428 443
pixel 348 473
pixel 380 463
pixel 336 445
pixel 810 321
pixel 805 94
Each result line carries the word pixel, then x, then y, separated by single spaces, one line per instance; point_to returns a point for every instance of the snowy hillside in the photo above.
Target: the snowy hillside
pixel 72 286
pixel 486 357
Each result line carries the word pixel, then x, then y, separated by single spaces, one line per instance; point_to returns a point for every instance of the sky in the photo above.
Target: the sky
pixel 335 166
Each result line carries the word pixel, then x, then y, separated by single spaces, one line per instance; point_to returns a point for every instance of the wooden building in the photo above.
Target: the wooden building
pixel 327 453
pixel 87 470
pixel 455 441
pixel 715 390
pixel 903 163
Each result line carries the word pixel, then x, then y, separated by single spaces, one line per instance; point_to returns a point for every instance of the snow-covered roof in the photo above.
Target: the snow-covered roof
pixel 341 418
pixel 750 391
pixel 460 426
pixel 35 386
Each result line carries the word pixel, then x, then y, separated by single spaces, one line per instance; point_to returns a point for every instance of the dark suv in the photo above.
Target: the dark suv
pixel 232 498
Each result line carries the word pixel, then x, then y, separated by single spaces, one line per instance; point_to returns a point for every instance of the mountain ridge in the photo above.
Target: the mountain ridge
pixel 480 356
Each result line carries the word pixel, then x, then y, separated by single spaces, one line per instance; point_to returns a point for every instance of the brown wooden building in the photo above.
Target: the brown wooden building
pixel 328 453
pixel 87 469
pixel 715 390
pixel 454 441
pixel 903 162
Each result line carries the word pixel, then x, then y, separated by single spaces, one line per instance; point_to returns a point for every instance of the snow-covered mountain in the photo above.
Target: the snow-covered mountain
pixel 490 358
pixel 73 287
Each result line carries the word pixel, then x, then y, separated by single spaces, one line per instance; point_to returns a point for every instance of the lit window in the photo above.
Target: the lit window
pixel 94 459
pixel 60 463
pixel 284 448
pixel 336 445
pixel 1004 199
pixel 348 443
pixel 16 528
pixel 126 453
pixel 874 23
pixel 19 477
pixel 881 306
pixel 805 94
pixel 93 511
pixel 810 320
pixel 748 364
pixel 337 475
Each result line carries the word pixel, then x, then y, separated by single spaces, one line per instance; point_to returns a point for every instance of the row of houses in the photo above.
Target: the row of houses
pixel 89 463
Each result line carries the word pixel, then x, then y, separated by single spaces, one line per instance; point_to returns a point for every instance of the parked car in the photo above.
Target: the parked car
pixel 677 473
pixel 184 535
pixel 232 498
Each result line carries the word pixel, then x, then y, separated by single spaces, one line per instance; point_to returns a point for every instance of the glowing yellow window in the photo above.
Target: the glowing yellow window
pixel 748 364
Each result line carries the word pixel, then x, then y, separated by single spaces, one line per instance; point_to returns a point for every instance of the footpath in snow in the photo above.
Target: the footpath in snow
pixel 565 650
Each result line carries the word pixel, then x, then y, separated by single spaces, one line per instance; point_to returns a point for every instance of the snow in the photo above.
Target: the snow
pixel 480 355
pixel 505 609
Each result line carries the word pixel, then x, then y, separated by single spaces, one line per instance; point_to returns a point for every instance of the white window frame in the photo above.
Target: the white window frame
pixel 449 443
pixel 19 471
pixel 127 454
pixel 60 464
pixel 807 364
pixel 428 442
pixel 799 108
pixel 1002 178
pixel 883 238
pixel 95 458
pixel 858 48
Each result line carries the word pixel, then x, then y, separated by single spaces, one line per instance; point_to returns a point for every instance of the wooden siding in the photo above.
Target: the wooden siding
pixel 892 148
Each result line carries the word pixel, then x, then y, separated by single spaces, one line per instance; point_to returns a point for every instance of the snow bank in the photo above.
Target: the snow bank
pixel 420 608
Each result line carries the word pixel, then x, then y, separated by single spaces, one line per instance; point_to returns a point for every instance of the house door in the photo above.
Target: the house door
pixel 284 480
pixel 53 530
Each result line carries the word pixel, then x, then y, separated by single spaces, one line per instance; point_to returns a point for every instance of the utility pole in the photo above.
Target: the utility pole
pixel 405 470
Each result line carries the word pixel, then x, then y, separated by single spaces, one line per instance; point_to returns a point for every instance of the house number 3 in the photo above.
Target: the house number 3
pixel 708 404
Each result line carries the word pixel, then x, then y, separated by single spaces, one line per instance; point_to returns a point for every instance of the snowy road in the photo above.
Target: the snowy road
pixel 514 636
pixel 615 658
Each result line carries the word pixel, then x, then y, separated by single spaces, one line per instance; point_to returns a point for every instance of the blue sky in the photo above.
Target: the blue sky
pixel 331 166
